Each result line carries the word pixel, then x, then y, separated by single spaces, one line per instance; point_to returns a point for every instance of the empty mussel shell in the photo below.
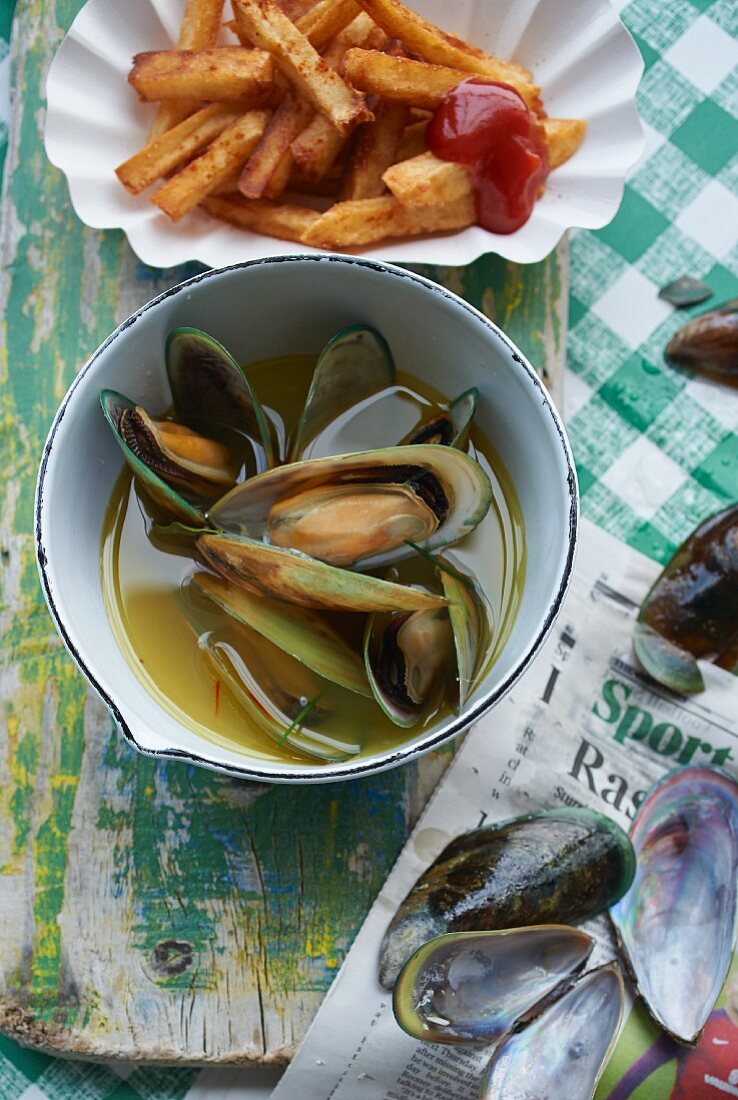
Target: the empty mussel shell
pixel 209 387
pixel 117 409
pixel 280 696
pixel 298 579
pixel 471 987
pixel 692 610
pixel 557 865
pixel 353 365
pixel 563 1051
pixel 708 343
pixel 677 923
pixel 361 508
pixel 471 624
pixel 306 635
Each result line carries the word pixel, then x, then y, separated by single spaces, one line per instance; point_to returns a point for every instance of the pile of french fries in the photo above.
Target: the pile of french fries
pixel 311 126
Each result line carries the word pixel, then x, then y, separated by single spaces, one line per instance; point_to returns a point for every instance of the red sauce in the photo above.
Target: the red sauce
pixel 488 128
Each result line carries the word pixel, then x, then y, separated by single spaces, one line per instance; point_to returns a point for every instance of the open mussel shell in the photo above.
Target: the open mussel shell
pixel 709 343
pixel 164 496
pixel 361 508
pixel 304 634
pixel 287 703
pixel 677 923
pixel 450 428
pixel 408 656
pixel 297 579
pixel 691 612
pixel 564 1050
pixel 556 865
pixel 471 987
pixel 353 365
pixel 471 620
pixel 208 386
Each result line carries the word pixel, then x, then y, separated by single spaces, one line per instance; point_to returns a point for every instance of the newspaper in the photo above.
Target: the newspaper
pixel 584 728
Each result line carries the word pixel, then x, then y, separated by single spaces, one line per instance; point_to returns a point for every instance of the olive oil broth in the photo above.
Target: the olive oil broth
pixel 160 623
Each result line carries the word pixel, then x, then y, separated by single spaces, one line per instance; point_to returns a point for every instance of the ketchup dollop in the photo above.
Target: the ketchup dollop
pixel 487 127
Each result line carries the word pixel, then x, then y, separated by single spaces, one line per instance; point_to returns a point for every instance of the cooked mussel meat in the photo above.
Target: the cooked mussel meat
pixel 437 493
pixel 449 428
pixel 692 610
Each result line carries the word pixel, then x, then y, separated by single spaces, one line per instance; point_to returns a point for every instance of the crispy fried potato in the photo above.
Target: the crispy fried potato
pixel 272 154
pixel 316 148
pixel 175 147
pixel 428 181
pixel 563 138
pixel 412 143
pixel 222 157
pixel 374 150
pixel 198 31
pixel 283 220
pixel 363 221
pixel 432 44
pixel 326 19
pixel 222 73
pixel 399 78
pixel 267 26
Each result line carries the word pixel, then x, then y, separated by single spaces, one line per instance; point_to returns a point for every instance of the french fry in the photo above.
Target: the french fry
pixel 315 149
pixel 326 19
pixel 412 143
pixel 563 138
pixel 223 73
pixel 282 220
pixel 198 31
pixel 363 221
pixel 399 78
pixel 428 181
pixel 432 44
pixel 272 154
pixel 374 150
pixel 270 29
pixel 222 157
pixel 175 147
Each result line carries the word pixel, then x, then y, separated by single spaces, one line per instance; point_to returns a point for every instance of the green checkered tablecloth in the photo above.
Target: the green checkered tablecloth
pixel 656 449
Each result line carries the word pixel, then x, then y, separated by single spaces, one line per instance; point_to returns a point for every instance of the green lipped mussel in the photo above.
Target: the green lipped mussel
pixel 472 987
pixel 557 865
pixel 691 612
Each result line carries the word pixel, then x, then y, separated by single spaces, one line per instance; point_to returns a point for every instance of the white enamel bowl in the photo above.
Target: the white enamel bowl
pixel 578 50
pixel 282 306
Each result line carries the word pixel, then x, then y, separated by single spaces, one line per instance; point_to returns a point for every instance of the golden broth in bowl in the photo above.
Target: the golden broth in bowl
pixel 167 628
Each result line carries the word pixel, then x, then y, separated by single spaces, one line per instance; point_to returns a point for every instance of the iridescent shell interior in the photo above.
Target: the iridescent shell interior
pixel 471 987
pixel 677 923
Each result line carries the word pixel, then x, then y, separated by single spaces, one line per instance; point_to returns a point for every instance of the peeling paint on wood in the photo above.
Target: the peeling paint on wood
pixel 153 910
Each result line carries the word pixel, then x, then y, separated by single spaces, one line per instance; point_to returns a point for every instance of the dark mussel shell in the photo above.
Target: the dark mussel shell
pixel 709 343
pixel 692 610
pixel 551 867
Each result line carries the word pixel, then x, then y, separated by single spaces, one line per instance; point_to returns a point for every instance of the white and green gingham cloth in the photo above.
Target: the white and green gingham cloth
pixel 656 449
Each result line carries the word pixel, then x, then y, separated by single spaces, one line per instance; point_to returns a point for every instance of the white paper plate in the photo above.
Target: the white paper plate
pixel 580 53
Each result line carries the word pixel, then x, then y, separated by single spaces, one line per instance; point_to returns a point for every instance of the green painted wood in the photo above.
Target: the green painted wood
pixel 153 910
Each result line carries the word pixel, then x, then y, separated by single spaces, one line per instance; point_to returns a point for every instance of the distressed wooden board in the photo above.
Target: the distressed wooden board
pixel 152 910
